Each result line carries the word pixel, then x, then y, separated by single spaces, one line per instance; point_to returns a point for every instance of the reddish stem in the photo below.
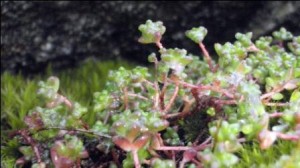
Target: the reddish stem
pixel 31 141
pixel 275 104
pixel 207 57
pixel 182 163
pixel 149 83
pixel 162 94
pixel 158 39
pixel 125 97
pixel 136 159
pixel 186 110
pixel 159 45
pixel 67 102
pixel 172 99
pixel 156 101
pixel 174 148
pixel 225 102
pixel 207 87
pixel 216 89
pixel 287 137
pixel 78 130
pixel 276 114
pixel 276 89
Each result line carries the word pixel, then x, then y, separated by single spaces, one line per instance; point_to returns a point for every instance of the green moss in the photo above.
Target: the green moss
pixel 252 156
pixel 17 97
pixel 18 94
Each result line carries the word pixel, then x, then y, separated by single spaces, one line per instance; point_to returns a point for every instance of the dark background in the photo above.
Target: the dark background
pixel 34 34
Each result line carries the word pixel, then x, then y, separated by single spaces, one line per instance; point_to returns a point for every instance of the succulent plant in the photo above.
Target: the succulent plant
pixel 251 93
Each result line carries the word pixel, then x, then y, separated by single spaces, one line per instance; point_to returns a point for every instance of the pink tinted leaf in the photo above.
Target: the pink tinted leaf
pixel 141 141
pixel 123 143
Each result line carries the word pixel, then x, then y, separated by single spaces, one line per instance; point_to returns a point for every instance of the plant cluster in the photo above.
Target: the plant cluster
pixel 250 94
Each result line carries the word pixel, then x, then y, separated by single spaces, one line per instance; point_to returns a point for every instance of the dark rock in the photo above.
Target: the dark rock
pixel 34 34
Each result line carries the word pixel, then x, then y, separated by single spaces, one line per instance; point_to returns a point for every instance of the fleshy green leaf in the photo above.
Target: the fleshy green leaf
pixel 175 59
pixel 196 34
pixel 282 34
pixel 151 31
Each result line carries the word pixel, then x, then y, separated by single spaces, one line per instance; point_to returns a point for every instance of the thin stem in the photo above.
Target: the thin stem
pixel 275 104
pixel 172 99
pixel 207 87
pixel 136 159
pixel 148 82
pixel 207 57
pixel 156 99
pixel 216 89
pixel 125 97
pixel 31 141
pixel 173 148
pixel 287 137
pixel 60 99
pixel 206 141
pixel 186 110
pixel 276 89
pixel 226 102
pixel 188 85
pixel 78 130
pixel 162 94
pixel 67 102
pixel 276 114
pixel 159 45
pixel 158 39
pixel 182 163
pixel 269 94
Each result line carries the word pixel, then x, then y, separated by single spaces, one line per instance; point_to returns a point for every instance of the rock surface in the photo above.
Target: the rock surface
pixel 34 34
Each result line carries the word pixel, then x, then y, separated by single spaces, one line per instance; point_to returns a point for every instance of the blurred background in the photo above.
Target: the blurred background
pixel 35 34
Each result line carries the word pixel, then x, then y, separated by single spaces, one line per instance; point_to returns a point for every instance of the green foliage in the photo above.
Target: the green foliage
pixel 175 59
pixel 197 34
pixel 282 34
pixel 171 137
pixel 71 148
pixel 158 163
pixel 151 31
pixel 206 113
